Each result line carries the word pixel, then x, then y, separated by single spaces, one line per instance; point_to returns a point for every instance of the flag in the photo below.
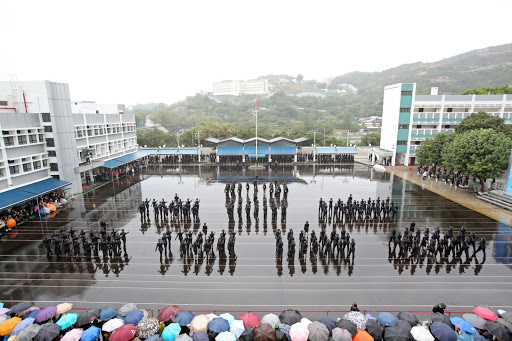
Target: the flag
pixel 256 103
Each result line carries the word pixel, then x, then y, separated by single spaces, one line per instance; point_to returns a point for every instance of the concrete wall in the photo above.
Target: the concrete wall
pixel 390 115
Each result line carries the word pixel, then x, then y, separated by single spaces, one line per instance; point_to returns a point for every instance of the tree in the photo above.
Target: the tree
pixel 483 120
pixel 498 90
pixel 372 139
pixel 321 85
pixel 483 153
pixel 431 149
pixel 299 78
pixel 153 138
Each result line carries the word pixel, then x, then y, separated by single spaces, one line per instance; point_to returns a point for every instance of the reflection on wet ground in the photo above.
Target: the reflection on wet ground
pixel 255 278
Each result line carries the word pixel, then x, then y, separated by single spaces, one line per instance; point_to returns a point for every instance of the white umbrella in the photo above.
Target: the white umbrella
pixel 237 328
pixel 299 332
pixel 271 319
pixel 225 336
pixel 305 321
pixel 356 318
pixel 421 333
pixel 126 309
pixel 228 317
pixel 112 325
pixel 211 316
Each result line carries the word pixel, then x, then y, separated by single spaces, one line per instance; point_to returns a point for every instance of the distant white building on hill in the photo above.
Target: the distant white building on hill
pixel 237 88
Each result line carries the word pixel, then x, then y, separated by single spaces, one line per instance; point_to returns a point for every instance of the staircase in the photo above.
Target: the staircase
pixel 498 198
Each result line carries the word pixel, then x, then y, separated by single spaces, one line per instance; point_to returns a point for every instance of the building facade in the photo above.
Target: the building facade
pixel 408 118
pixel 237 88
pixel 43 134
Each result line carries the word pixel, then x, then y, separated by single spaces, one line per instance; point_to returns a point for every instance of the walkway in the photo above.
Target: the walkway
pixel 461 196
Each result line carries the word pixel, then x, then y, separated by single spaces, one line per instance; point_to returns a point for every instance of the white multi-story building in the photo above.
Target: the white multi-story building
pixel 44 134
pixel 237 88
pixel 408 118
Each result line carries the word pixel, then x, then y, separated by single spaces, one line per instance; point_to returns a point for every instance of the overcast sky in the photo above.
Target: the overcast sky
pixel 162 51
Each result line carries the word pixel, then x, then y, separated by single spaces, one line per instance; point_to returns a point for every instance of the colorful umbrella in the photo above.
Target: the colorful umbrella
pixel 124 333
pixel 237 328
pixel 32 314
pixel 442 332
pixel 362 335
pixel 199 324
pixel 271 319
pixel 421 333
pixel 52 207
pixel 225 336
pixel 20 307
pixel 339 334
pixel 127 308
pixel 8 326
pixel 290 317
pixel 219 325
pixel 73 335
pixel 168 313
pixel 46 314
pixel 22 325
pixel 147 327
pixel 252 320
pixel 181 337
pixel 228 317
pixel 183 318
pixel 284 333
pixel 112 325
pixel 171 331
pixel 4 311
pixel 63 307
pixel 386 319
pixel 67 321
pixel 265 332
pixel 107 313
pixel 485 313
pixel 10 223
pixel 463 325
pixel 47 332
pixel 299 332
pixel 90 334
pixel 134 317
pixel 28 333
pixel 357 318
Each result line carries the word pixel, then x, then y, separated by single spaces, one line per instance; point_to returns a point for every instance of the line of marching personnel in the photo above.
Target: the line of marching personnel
pixel 413 241
pixel 352 209
pixel 176 210
pixel 323 245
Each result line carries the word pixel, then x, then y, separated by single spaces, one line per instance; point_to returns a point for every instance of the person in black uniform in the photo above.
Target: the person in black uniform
pixel 439 308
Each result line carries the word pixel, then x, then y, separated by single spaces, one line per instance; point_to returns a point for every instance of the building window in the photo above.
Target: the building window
pixel 401 143
pixel 420 109
pixel 54 167
pixel 406 93
pixel 32 138
pixel 50 142
pixel 14 169
pixel 9 141
pixel 52 153
pixel 449 110
pixel 403 126
pixel 405 109
pixel 2 173
pixel 22 139
pixel 45 163
pixel 3 103
pixel 41 138
pixel 37 164
pixel 48 129
pixel 46 117
pixel 27 167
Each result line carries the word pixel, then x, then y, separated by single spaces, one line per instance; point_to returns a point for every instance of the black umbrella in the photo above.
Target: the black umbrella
pixel 248 334
pixel 345 324
pixel 85 318
pixel 20 307
pixel 438 317
pixel 375 329
pixel 329 323
pixel 507 316
pixel 396 333
pixel 281 336
pixel 409 317
pixel 498 330
pixel 47 332
pixel 290 317
pixel 404 324
pixel 95 311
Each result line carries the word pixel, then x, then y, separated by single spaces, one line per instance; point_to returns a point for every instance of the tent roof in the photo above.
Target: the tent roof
pixel 21 194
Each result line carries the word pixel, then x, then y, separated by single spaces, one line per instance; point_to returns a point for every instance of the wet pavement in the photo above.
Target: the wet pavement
pixel 255 280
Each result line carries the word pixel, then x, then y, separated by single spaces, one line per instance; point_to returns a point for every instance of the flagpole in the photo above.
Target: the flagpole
pixel 256 132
